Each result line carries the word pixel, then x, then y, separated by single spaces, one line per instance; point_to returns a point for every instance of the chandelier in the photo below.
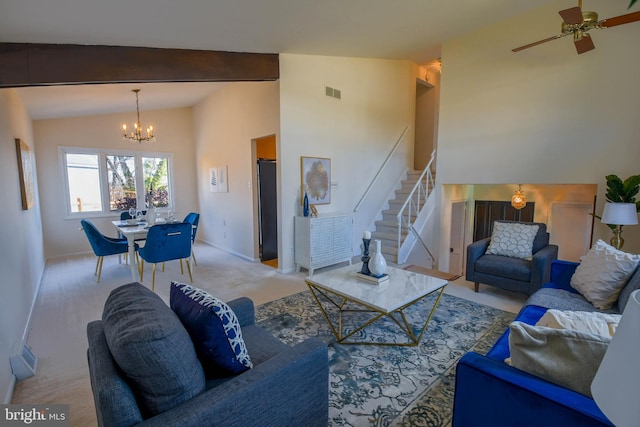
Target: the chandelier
pixel 518 200
pixel 136 134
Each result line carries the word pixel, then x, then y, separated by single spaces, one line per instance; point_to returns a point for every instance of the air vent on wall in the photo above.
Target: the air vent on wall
pixel 23 365
pixel 333 93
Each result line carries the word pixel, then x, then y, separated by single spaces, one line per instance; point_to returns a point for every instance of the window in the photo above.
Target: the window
pixel 156 181
pixel 102 182
pixel 83 178
pixel 121 176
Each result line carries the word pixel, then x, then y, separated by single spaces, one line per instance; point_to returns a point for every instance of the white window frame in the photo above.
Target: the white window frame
pixel 104 190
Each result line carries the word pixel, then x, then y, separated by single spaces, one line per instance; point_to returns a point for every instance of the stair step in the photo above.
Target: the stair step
pixel 392 252
pixel 386 230
pixel 408 190
pixel 387 237
pixel 384 223
pixel 397 203
pixel 395 211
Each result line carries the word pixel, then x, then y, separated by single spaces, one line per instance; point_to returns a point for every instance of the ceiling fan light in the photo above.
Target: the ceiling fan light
pixel 577 35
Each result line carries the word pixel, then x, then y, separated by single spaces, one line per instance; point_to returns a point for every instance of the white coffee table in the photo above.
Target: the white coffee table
pixel 343 289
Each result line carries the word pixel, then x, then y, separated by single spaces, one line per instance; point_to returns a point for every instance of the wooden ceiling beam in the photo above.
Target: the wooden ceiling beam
pixel 27 64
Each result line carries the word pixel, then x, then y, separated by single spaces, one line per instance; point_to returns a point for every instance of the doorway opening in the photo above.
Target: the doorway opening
pixel 267 200
pixel 458 237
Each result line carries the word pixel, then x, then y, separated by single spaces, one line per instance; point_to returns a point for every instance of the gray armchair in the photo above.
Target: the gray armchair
pixel 287 386
pixel 513 274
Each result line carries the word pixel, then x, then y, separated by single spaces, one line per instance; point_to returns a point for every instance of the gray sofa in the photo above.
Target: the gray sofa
pixel 287 386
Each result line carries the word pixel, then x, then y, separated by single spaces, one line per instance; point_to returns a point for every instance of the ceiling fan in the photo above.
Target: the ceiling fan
pixel 577 23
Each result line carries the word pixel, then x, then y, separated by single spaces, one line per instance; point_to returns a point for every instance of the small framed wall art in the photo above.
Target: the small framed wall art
pixel 218 180
pixel 25 170
pixel 316 179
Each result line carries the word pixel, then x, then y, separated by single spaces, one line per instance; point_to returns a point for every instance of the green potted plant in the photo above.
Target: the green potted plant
pixel 619 191
pixel 621 196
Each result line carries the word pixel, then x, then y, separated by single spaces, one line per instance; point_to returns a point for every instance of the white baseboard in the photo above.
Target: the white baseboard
pixel 239 255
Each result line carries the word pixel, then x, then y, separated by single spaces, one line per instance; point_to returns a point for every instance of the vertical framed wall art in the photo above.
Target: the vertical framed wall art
pixel 25 171
pixel 213 180
pixel 218 182
pixel 316 179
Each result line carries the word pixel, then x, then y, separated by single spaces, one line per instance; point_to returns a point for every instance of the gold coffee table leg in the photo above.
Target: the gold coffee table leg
pixel 403 322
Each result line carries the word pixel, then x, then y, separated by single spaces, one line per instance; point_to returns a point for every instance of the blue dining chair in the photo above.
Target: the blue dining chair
pixel 102 245
pixel 193 218
pixel 166 242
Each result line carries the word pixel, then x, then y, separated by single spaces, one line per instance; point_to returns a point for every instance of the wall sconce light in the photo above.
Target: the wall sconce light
pixel 518 200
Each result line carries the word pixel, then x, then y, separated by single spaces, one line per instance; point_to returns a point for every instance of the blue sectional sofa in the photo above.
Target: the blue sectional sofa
pixel 491 393
pixel 166 384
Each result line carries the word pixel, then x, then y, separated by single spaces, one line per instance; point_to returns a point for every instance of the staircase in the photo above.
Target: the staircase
pixel 393 229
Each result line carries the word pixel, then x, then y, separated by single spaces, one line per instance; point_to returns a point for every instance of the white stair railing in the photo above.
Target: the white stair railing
pixel 384 163
pixel 415 201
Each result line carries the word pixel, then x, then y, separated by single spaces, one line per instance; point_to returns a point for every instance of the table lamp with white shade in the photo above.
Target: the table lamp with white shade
pixel 619 214
pixel 616 386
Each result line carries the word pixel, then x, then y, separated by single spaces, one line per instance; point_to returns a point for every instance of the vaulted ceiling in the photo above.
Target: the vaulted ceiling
pixel 410 30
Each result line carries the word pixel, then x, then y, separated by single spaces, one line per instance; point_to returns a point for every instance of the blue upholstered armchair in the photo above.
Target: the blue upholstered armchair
pixel 510 273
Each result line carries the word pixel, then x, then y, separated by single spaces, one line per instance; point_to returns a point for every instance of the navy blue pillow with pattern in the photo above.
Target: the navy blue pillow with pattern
pixel 214 330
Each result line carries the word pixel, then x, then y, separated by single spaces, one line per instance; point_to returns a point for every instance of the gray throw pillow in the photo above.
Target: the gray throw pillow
pixel 513 239
pixel 561 356
pixel 602 273
pixel 150 345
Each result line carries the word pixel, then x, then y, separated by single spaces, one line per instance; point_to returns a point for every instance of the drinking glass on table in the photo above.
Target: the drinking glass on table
pixel 139 215
pixel 132 213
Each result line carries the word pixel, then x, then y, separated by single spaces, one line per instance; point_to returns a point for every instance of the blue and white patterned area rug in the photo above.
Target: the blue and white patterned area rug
pixel 391 385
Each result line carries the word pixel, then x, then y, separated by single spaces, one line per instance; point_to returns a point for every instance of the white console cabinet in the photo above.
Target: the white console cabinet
pixel 322 241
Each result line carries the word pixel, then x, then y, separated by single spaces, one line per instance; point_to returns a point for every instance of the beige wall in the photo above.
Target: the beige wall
pixel 544 115
pixel 21 257
pixel 174 134
pixel 356 133
pixel 225 124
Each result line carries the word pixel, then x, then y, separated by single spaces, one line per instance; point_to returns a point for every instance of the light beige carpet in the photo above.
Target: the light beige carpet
pixel 70 298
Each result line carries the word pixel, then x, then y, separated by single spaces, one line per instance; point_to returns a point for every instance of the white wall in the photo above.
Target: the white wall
pixel 225 124
pixel 356 132
pixel 544 115
pixel 174 134
pixel 21 256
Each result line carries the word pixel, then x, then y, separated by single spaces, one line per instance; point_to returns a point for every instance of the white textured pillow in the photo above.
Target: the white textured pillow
pixel 602 274
pixel 562 356
pixel 512 239
pixel 582 321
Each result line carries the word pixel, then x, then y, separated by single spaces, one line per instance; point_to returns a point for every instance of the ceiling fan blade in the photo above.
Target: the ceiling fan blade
pixel 572 15
pixel 619 20
pixel 527 46
pixel 585 44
